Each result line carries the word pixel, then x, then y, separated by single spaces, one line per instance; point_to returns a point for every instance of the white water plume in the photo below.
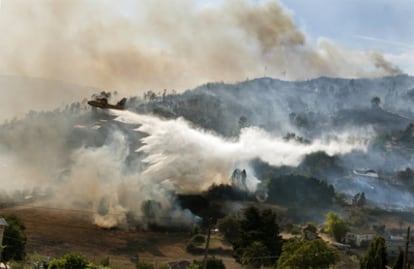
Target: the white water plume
pixel 191 159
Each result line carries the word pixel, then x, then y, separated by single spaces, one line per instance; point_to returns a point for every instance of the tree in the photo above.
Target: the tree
pixel 230 227
pixel 255 255
pixel 258 230
pixel 359 199
pixel 70 261
pixel 211 263
pixel 376 255
pixel 399 262
pixel 310 232
pixel 14 239
pixel 336 226
pixel 307 254
pixel 242 122
pixel 375 101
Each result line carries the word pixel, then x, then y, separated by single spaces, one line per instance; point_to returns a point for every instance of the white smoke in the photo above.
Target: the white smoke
pixel 112 184
pixel 100 177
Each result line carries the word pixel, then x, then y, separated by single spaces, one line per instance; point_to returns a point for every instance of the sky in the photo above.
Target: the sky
pixel 383 25
pixel 132 46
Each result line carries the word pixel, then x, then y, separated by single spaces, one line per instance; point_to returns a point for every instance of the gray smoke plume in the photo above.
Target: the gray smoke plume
pixel 46 154
pixel 133 46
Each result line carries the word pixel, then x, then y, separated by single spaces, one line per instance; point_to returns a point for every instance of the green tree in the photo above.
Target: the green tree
pixel 336 226
pixel 399 262
pixel 211 263
pixel 230 227
pixel 376 255
pixel 255 255
pixel 14 239
pixel 258 227
pixel 71 261
pixel 298 254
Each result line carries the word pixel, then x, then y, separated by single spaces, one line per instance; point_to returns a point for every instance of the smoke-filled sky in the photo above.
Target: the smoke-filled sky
pixel 132 46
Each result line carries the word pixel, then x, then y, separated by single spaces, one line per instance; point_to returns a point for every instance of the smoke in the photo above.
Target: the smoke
pixel 49 159
pixel 138 45
pixel 45 153
pixel 192 159
pixel 37 161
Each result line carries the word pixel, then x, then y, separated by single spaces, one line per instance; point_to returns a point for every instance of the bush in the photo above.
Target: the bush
pixel 144 265
pixel 212 263
pixel 71 261
pixel 307 254
pixel 105 261
pixel 196 229
pixel 198 239
pixel 230 227
pixel 336 227
pixel 193 249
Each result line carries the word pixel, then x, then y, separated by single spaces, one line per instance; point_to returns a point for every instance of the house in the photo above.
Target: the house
pixel 359 240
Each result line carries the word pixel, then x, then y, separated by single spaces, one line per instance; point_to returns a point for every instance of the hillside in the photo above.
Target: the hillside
pixel 173 160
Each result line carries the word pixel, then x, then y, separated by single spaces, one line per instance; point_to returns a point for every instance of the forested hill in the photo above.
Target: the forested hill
pixel 377 112
pixel 305 107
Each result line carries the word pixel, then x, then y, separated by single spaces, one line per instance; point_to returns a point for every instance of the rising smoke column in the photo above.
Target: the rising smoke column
pixel 136 45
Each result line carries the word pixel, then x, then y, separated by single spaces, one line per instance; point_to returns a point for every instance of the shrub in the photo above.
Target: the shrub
pixel 336 226
pixel 230 227
pixel 105 261
pixel 193 249
pixel 211 263
pixel 198 239
pixel 71 261
pixel 144 265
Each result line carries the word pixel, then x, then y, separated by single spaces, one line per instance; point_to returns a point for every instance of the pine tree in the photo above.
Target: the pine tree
pixel 376 255
pixel 399 262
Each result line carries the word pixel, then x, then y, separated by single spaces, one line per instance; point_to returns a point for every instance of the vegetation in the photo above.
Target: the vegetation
pixel 306 254
pixel 357 216
pixel 14 239
pixel 300 191
pixel 144 265
pixel 71 261
pixel 399 262
pixel 230 227
pixel 259 237
pixel 406 177
pixel 211 263
pixel 198 238
pixel 359 199
pixel 289 188
pixel 320 164
pixel 376 255
pixel 310 232
pixel 336 227
pixel 196 244
pixel 226 192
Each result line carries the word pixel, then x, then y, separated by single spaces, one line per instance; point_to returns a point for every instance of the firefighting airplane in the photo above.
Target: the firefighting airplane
pixel 103 103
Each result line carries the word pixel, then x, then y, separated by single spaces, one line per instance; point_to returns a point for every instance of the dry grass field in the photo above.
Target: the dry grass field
pixel 54 232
